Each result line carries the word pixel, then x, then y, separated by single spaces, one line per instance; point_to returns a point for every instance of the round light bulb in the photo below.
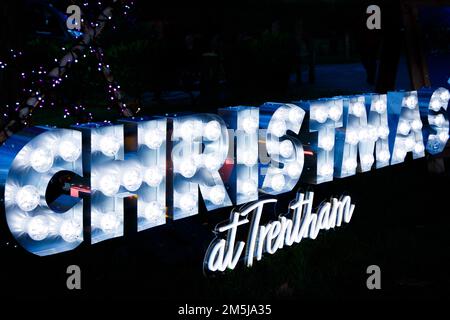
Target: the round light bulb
pixel 187 202
pixel 400 154
pixel 132 178
pixel 350 165
pixel 295 115
pixel 109 222
pixel 154 211
pixel 278 128
pixel 250 124
pixel 211 162
pixel 445 95
pixel 326 143
pixel 191 129
pixel 27 198
pixel 410 142
pixel 249 158
pixel 325 170
pixel 443 136
pixel 352 137
pixel 41 159
pixel 70 230
pixel 379 106
pixel 403 127
pixel 411 102
pixel 248 188
pixel 212 130
pixel 69 150
pixel 383 132
pixel 319 114
pixel 435 105
pixel 286 149
pixel 154 138
pixel 109 184
pixel 109 145
pixel 357 109
pixel 439 120
pixel 419 148
pixel 153 176
pixel 38 228
pixel 188 168
pixel 278 182
pixel 294 170
pixel 384 156
pixel 217 195
pixel 367 160
pixel 335 113
pixel 416 124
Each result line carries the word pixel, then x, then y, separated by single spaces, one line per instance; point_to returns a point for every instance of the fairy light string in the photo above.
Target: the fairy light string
pixel 91 31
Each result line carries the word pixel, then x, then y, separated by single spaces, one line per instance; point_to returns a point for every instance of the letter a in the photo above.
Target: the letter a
pixel 374 281
pixel 74 280
pixel 374 20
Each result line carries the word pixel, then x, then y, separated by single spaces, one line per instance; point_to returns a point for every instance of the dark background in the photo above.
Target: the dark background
pixel 198 56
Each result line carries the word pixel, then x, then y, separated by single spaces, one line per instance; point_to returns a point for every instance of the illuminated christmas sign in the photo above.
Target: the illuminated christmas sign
pixel 156 168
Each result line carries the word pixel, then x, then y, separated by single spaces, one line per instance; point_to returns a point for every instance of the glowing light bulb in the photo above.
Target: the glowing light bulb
pixel 250 124
pixel 439 120
pixel 416 125
pixel 38 228
pixel 217 195
pixel 411 101
pixel 248 188
pixel 69 150
pixel 383 132
pixel 188 168
pixel 109 222
pixel 435 105
pixel 295 115
pixel 445 95
pixel 27 198
pixel 277 182
pixel 154 138
pixel 335 113
pixel 352 137
pixel 357 109
pixel 109 184
pixel 211 162
pixel 419 148
pixel 132 178
pixel 400 153
pixel 319 114
pixel 379 106
pixel 384 156
pixel 325 170
pixel 293 169
pixel 153 176
pixel 286 148
pixel 326 143
pixel 191 129
pixel 443 136
pixel 70 230
pixel 41 159
pixel 249 158
pixel 188 203
pixel 410 142
pixel 350 165
pixel 109 146
pixel 154 211
pixel 278 128
pixel 403 127
pixel 212 130
pixel 372 133
pixel 367 160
